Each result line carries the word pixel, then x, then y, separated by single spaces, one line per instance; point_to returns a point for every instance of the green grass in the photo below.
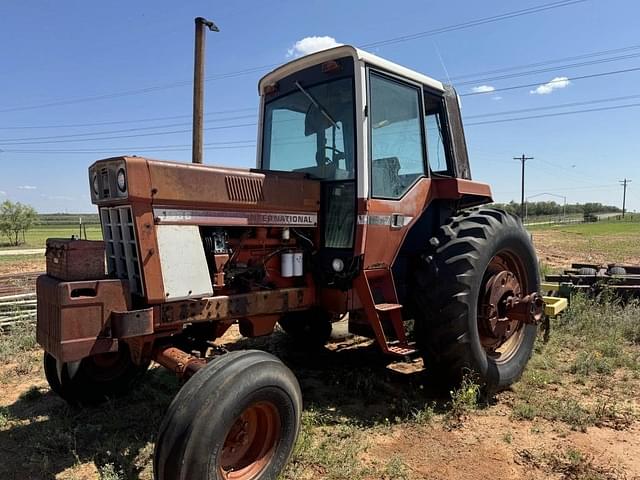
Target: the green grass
pixel 6 260
pixel 584 377
pixel 630 226
pixel 37 236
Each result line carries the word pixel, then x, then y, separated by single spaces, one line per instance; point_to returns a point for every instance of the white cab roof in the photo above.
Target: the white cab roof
pixel 344 51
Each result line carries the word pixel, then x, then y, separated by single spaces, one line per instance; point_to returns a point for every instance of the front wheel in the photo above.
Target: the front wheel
pixel 238 418
pixel 476 298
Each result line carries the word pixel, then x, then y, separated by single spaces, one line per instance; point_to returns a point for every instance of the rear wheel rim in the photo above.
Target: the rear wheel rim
pixel 251 442
pixel 500 335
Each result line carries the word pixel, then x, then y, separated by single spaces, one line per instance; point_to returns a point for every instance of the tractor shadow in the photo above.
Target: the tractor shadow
pixel 348 381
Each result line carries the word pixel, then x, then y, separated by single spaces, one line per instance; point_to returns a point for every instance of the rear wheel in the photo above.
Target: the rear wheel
pixel 476 299
pixel 236 419
pixel 94 379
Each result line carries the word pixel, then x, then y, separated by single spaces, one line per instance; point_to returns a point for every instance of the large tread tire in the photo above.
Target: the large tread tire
pixel 196 426
pixel 91 384
pixel 448 283
pixel 311 328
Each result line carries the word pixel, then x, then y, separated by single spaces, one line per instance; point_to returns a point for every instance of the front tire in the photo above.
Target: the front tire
pixel 238 418
pixel 477 260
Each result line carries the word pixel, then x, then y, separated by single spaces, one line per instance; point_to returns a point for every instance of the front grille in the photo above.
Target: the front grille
pixel 119 235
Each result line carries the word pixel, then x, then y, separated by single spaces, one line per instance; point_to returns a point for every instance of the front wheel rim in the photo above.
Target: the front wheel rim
pixel 251 442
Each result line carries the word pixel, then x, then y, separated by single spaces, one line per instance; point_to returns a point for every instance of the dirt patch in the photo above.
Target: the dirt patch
pixel 559 249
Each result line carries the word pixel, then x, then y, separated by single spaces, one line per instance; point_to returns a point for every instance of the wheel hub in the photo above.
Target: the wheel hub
pixel 495 321
pixel 251 442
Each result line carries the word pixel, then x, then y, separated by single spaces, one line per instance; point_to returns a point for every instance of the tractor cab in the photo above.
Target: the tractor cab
pixel 384 141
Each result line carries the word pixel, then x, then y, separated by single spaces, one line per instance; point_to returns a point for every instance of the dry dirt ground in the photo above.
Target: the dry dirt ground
pixel 559 247
pixel 574 415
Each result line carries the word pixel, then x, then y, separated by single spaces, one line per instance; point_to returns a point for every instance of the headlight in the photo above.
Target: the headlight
pixel 337 264
pixel 121 180
pixel 94 184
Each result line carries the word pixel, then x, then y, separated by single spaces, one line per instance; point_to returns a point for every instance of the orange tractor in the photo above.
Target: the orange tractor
pixel 361 205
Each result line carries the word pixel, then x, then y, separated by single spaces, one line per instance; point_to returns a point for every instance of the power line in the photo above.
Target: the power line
pixel 113 137
pixel 122 122
pixel 552 107
pixel 473 23
pixel 547 62
pixel 107 132
pixel 173 117
pixel 549 69
pixel 246 71
pixel 557 114
pixel 581 77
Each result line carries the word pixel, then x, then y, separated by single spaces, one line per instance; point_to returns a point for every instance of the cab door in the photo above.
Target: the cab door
pixel 400 188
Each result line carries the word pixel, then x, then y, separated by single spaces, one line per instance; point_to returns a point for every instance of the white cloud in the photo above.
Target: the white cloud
pixel 310 45
pixel 483 89
pixel 3 193
pixel 27 187
pixel 497 97
pixel 546 88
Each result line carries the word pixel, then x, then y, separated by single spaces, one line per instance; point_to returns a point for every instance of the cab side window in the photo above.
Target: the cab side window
pixel 435 131
pixel 397 154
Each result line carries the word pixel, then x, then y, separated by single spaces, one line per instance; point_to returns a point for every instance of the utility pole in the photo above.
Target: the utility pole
pixel 624 184
pixel 198 87
pixel 522 159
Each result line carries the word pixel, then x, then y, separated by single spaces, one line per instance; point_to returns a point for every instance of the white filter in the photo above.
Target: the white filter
pixel 286 265
pixel 297 264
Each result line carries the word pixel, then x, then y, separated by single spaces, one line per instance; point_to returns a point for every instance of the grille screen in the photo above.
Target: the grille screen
pixel 122 250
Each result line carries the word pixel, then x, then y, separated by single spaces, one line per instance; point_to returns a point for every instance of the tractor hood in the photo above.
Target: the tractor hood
pixel 212 195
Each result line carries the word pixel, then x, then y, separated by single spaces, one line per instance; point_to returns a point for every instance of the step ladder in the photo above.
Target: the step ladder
pixel 377 293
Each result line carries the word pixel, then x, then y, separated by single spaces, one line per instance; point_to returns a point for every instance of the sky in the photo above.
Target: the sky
pixel 83 80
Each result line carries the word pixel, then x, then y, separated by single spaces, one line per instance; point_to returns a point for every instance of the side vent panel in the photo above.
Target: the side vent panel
pixel 244 189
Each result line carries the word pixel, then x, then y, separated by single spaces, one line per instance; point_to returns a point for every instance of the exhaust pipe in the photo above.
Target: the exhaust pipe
pixel 198 87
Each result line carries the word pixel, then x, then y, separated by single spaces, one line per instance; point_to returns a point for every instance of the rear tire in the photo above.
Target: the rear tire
pixel 451 284
pixel 239 415
pixel 97 379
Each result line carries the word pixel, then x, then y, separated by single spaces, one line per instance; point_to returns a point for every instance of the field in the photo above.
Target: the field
pixel 599 242
pixel 575 413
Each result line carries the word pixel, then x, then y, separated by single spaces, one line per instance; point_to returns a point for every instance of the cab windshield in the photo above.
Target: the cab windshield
pixel 310 130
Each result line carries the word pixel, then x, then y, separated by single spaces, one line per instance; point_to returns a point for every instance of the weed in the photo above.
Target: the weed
pixel 589 362
pixel 109 472
pixel 21 340
pixel 396 469
pixel 507 437
pixel 464 399
pixel 425 415
pixel 523 411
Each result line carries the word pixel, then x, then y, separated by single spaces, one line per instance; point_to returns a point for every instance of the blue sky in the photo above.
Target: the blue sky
pixel 68 52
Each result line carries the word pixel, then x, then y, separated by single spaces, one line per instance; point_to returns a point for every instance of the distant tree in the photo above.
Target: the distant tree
pixel 15 219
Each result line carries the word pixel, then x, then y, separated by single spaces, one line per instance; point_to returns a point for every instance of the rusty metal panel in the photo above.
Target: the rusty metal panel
pixel 69 259
pixel 237 306
pixel 206 187
pixel 133 323
pixel 73 317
